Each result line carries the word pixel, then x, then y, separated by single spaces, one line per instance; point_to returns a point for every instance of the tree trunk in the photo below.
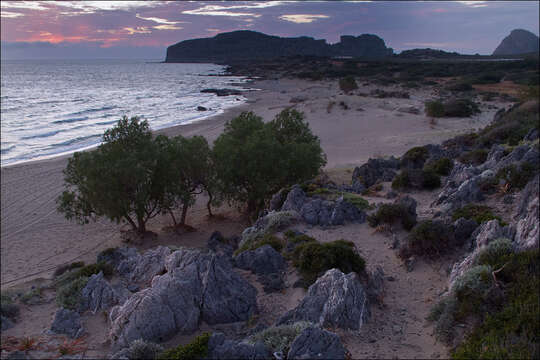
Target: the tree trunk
pixel 172 216
pixel 142 225
pixel 184 213
pixel 209 204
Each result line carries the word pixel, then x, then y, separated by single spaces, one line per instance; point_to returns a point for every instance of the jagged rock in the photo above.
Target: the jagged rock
pixel 463 229
pixel 97 294
pixel 217 243
pixel 272 282
pixel 220 348
pixel 277 200
pixel 345 211
pixel 409 204
pixel 527 215
pixel 375 287
pixel 142 268
pixel 513 158
pixel 375 170
pixel 334 300
pixel 496 153
pixel 273 221
pixel 316 343
pixel 67 322
pixel 531 135
pixel 263 260
pixel 197 286
pixel 295 199
pixel 114 257
pixel 435 152
pixel 467 192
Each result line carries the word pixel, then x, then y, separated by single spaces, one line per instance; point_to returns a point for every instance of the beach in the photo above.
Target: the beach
pixel 36 239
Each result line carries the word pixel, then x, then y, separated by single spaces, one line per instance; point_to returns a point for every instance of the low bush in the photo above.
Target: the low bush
pixel 517 176
pixel 414 157
pixel 197 349
pixel 266 239
pixel 7 308
pixel 348 84
pixel 474 157
pixel 510 129
pixel 140 349
pixel 401 181
pixel 272 222
pixel 430 180
pixel 63 268
pixel 85 271
pixel 478 213
pixel 33 296
pixel 511 331
pixel 434 108
pixel 312 259
pixel 69 295
pixel 356 200
pixel 495 254
pixel 428 238
pixel 419 179
pixel 391 213
pixel 487 78
pixel 279 338
pixel 452 108
pixel 442 166
pixel 460 86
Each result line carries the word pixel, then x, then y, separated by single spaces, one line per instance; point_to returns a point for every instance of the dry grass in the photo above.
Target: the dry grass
pixel 504 87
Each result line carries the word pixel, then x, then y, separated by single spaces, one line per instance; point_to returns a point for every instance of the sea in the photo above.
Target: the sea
pixel 53 107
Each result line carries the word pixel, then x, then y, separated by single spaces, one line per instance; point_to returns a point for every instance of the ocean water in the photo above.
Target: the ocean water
pixel 55 107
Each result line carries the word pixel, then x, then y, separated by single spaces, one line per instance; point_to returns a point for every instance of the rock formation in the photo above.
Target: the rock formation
pixel 518 42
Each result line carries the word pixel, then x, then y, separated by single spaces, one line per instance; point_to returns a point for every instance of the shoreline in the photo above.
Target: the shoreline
pixel 36 239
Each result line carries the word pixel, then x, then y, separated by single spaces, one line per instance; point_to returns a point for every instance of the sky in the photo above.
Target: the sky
pixel 144 29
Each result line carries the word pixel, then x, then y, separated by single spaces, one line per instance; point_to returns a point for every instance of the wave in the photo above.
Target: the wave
pixel 76 140
pixel 8 149
pixel 94 110
pixel 71 120
pixel 106 122
pixel 43 135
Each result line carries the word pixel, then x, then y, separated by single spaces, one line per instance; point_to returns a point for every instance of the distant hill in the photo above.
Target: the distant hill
pixel 251 45
pixel 427 54
pixel 518 42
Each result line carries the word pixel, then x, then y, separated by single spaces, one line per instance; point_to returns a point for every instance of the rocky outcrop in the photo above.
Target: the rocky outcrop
pixel 518 42
pixel 261 261
pixel 375 170
pixel 142 268
pixel 251 45
pixel 316 343
pixel 334 300
pixel 97 294
pixel 221 348
pixel 527 216
pixel 67 322
pixel 196 286
pixel 218 244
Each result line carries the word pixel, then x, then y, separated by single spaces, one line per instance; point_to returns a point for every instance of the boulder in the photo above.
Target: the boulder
pixel 496 153
pixel 455 198
pixel 271 222
pixel 218 244
pixel 97 294
pixel 334 300
pixel 463 229
pixel 409 204
pixel 196 286
pixel 527 216
pixel 277 200
pixel 272 282
pixel 114 256
pixel 142 268
pixel 344 211
pixel 375 288
pixel 261 261
pixel 316 343
pixel 221 348
pixel 67 322
pixel 375 170
pixel 295 199
pixel 201 108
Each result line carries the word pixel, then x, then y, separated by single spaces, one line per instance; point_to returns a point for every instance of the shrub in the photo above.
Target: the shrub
pixel 69 295
pixel 348 84
pixel 422 179
pixel 389 214
pixel 517 176
pixel 356 200
pixel 312 259
pixel 531 92
pixel 85 271
pixel 197 349
pixel 7 308
pixel 430 180
pixel 401 181
pixel 442 166
pixel 266 239
pixel 414 157
pixel 33 296
pixel 511 128
pixel 474 157
pixel 140 349
pixel 428 238
pixel 478 213
pixel 279 338
pixel 460 108
pixel 460 86
pixel 272 222
pixel 495 254
pixel 434 108
pixel 63 268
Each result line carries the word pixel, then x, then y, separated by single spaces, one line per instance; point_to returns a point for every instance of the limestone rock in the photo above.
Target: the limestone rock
pixel 142 268
pixel 263 260
pixel 527 227
pixel 97 294
pixel 67 322
pixel 316 343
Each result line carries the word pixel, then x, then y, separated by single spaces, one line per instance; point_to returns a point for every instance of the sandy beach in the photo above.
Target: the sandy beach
pixel 35 239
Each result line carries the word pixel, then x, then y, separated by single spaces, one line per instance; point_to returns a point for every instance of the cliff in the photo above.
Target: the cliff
pixel 518 42
pixel 251 45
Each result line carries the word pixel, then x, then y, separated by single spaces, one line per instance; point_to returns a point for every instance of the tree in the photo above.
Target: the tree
pixel 254 160
pixel 118 180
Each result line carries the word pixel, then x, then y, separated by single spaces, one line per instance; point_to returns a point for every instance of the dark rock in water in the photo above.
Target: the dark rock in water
pixel 67 322
pixel 272 282
pixel 251 45
pixel 463 229
pixel 221 348
pixel 222 92
pixel 218 244
pixel 196 286
pixel 316 343
pixel 263 260
pixel 201 108
pixel 97 294
pixel 334 300
pixel 518 42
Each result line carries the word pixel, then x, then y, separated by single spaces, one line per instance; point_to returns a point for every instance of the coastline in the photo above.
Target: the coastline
pixel 35 239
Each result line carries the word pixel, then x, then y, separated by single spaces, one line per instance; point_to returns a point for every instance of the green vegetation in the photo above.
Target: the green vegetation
pixel 33 296
pixel 511 328
pixel 511 128
pixel 452 108
pixel 430 180
pixel 140 349
pixel 7 307
pixel 389 214
pixel 414 178
pixel 478 213
pixel 415 156
pixel 517 176
pixel 63 268
pixel 460 86
pixel 356 200
pixel 69 295
pixel 474 157
pixel 197 349
pixel 254 160
pixel 348 84
pixel 496 253
pixel 428 238
pixel 312 259
pixel 279 338
pixel 531 92
pixel 442 166
pixel 266 239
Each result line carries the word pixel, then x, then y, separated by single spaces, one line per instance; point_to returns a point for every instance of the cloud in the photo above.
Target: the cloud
pixel 223 10
pixel 302 18
pixel 30 5
pixel 9 14
pixel 93 6
pixel 159 20
pixel 474 4
pixel 429 44
pixel 167 27
pixel 138 30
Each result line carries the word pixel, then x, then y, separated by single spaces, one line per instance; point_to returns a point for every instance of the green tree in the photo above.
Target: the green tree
pixel 254 160
pixel 118 180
